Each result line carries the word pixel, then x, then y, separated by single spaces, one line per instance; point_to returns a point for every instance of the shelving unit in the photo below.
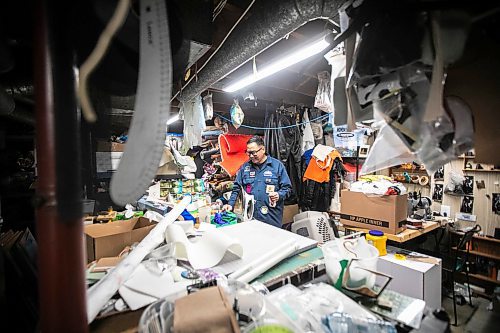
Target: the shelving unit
pixel 484 278
pixel 467 159
pixel 480 254
pixel 482 247
pixel 411 172
pixel 356 159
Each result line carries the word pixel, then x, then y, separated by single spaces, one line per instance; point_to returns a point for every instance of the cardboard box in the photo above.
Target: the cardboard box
pixel 412 278
pixel 107 161
pixel 289 212
pixel 386 213
pixel 110 146
pixel 109 239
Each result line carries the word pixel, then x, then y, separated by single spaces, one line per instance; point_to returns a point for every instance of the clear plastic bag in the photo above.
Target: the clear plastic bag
pixel 208 106
pixel 343 323
pixel 194 123
pixel 237 114
pixel 455 183
pixel 323 100
pixel 387 150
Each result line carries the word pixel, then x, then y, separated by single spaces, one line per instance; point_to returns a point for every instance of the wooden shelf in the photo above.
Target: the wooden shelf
pixel 480 170
pixel 480 254
pixel 484 278
pixel 458 195
pixel 410 171
pixel 487 239
pixel 467 157
pixel 479 238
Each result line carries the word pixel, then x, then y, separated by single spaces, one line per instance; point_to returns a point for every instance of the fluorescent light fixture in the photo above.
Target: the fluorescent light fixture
pixel 289 60
pixel 173 119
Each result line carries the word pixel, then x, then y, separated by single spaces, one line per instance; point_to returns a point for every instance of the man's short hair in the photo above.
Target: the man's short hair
pixel 257 140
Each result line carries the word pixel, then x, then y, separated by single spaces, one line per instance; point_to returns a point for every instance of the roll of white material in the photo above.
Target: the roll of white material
pixel 103 290
pixel 269 262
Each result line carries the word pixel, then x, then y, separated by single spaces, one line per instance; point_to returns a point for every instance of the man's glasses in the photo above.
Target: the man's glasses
pixel 253 153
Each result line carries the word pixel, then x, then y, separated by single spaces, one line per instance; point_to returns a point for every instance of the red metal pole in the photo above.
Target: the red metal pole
pixel 60 241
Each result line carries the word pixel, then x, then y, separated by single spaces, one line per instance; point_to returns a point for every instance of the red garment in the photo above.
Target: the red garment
pixel 233 151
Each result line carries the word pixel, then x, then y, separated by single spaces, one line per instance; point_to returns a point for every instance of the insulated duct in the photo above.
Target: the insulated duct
pixel 267 22
pixel 10 109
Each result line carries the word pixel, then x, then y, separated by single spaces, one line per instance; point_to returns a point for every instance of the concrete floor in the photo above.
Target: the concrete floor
pixel 473 319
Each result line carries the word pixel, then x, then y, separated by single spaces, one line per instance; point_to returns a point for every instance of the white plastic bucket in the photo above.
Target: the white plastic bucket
pixel 337 261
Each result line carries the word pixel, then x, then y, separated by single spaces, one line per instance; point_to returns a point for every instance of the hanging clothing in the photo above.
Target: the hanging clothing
pixel 194 123
pixel 308 136
pixel 307 156
pixel 321 152
pixel 284 145
pixel 318 170
pixel 317 126
pixel 318 196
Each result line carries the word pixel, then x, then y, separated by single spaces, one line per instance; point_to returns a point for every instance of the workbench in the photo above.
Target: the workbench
pixel 296 270
pixel 403 236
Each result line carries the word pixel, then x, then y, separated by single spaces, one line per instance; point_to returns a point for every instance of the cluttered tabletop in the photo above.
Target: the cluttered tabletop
pixel 405 235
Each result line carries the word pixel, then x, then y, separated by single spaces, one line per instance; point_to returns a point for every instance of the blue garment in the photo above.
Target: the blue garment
pixel 307 156
pixel 254 179
pixel 187 216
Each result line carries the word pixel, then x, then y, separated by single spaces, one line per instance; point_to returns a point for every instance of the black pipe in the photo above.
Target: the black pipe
pixel 267 22
pixel 67 115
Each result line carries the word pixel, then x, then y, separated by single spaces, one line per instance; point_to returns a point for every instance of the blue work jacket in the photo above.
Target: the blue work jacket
pixel 259 180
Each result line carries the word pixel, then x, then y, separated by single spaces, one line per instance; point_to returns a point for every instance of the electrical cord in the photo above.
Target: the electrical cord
pixel 277 128
pixel 218 9
pixel 96 56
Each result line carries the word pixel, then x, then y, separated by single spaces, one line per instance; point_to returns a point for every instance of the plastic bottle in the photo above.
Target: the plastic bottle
pixel 379 240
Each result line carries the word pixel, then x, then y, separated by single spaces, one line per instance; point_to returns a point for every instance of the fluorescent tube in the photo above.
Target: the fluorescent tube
pixel 173 119
pixel 280 64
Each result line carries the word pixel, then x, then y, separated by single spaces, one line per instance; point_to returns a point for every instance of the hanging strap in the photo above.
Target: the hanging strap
pixel 434 108
pixel 350 45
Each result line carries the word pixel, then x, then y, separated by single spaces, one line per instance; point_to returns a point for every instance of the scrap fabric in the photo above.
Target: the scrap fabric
pixel 233 151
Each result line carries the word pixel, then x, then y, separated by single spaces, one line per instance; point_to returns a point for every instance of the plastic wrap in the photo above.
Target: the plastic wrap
pixel 208 106
pixel 377 186
pixel 455 183
pixel 343 323
pixel 434 129
pixel 403 44
pixel 323 100
pixel 194 123
pixel 387 150
pixel 237 114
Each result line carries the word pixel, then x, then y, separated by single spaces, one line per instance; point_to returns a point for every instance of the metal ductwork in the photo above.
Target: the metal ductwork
pixel 9 108
pixel 267 22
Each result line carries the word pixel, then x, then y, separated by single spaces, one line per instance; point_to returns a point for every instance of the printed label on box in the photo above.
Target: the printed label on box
pixel 366 220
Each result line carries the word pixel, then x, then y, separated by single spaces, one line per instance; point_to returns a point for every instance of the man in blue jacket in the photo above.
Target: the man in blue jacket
pixel 265 177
